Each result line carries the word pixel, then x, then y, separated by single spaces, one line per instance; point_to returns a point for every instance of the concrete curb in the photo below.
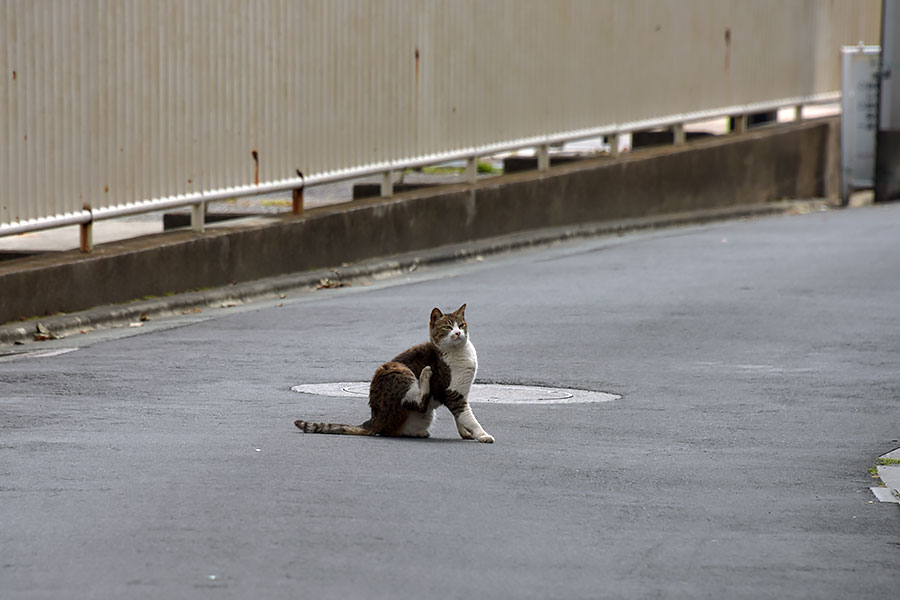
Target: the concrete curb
pixel 793 161
pixel 120 315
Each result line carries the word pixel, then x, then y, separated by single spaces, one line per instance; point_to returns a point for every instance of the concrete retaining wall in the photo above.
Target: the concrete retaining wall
pixel 796 161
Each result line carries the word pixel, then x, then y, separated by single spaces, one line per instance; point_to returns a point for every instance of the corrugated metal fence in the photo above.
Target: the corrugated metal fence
pixel 110 107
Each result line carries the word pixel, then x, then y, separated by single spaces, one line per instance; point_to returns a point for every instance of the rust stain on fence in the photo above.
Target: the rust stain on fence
pixel 255 156
pixel 727 48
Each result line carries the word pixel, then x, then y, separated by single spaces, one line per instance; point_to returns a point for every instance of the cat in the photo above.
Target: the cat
pixel 405 392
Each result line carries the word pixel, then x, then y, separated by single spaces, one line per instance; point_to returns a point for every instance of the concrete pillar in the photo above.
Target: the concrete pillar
pixel 198 217
pixel 613 144
pixel 887 142
pixel 472 169
pixel 543 157
pixel 387 184
pixel 678 136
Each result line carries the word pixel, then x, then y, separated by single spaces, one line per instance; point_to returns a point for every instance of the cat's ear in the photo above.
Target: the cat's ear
pixel 461 311
pixel 435 315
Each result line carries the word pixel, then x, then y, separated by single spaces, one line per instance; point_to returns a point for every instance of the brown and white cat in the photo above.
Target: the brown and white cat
pixel 405 391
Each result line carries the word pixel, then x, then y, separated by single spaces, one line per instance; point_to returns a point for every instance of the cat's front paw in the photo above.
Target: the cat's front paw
pixel 486 438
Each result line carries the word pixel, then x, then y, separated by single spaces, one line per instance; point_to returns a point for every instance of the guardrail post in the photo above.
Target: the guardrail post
pixel 543 157
pixel 798 112
pixel 472 169
pixel 678 136
pixel 297 201
pixel 198 214
pixel 740 124
pixel 387 184
pixel 86 233
pixel 613 140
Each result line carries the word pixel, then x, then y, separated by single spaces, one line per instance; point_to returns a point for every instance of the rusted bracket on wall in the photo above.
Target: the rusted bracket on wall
pixel 297 196
pixel 86 232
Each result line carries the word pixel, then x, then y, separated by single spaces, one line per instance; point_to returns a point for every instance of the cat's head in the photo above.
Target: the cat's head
pixel 449 330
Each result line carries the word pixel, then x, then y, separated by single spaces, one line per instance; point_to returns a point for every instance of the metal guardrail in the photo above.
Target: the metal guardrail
pixel 471 155
pixel 115 108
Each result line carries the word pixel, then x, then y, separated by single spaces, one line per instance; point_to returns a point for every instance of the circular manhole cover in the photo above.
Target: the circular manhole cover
pixel 492 393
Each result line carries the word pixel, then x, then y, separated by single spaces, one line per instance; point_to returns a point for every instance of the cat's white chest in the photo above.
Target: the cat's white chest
pixel 463 363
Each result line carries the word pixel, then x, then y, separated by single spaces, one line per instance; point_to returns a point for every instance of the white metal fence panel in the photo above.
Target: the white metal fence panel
pixel 113 103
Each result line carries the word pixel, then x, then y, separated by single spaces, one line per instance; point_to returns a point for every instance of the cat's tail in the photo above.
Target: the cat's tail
pixel 336 428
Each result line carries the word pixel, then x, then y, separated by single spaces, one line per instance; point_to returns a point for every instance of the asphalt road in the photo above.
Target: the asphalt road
pixel 758 364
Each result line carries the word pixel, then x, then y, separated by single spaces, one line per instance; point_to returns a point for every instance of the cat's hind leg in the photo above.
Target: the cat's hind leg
pixel 417 397
pixel 399 401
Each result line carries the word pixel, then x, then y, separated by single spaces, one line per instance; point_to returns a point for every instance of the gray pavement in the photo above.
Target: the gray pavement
pixel 757 361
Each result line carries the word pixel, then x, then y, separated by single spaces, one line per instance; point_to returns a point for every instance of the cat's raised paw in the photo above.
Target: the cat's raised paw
pixel 486 439
pixel 425 382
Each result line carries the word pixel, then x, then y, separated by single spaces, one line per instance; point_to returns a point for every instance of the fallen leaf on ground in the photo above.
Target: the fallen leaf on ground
pixel 326 283
pixel 43 334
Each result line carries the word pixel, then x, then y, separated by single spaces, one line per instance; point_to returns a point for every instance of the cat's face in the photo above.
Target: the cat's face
pixel 449 330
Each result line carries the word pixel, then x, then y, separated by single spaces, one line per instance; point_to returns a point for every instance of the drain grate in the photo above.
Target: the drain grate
pixel 489 393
